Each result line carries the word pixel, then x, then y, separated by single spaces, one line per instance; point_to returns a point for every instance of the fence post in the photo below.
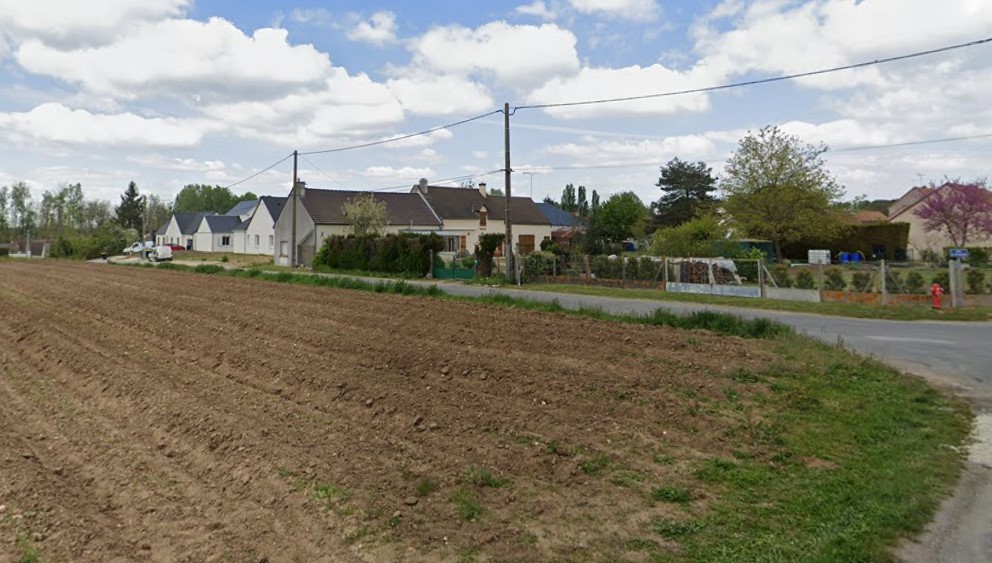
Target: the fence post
pixel 665 266
pixel 712 277
pixel 623 271
pixel 430 269
pixel 761 278
pixel 885 287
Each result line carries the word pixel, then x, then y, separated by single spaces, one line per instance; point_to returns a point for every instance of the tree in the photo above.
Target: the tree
pixel 779 188
pixel 365 215
pixel 688 192
pixel 623 216
pixel 495 192
pixel 201 197
pixel 703 236
pixel 159 212
pixel 129 213
pixel 568 201
pixel 581 203
pixel 4 216
pixel 21 210
pixel 962 211
pixel 595 203
pixel 550 201
pixel 95 214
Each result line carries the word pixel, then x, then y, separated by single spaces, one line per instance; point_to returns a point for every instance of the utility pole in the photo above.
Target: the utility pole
pixel 296 154
pixel 510 266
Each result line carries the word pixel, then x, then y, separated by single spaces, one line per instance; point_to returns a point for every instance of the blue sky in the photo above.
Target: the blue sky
pixel 172 92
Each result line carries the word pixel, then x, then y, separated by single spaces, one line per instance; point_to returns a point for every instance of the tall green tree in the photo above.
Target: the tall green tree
pixel 21 209
pixel 595 206
pixel 4 215
pixel 688 192
pixel 202 197
pixel 568 199
pixel 779 188
pixel 550 201
pixel 623 216
pixel 159 212
pixel 94 214
pixel 131 210
pixel 582 203
pixel 366 215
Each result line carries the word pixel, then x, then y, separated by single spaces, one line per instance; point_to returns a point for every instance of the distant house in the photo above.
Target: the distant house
pixel 920 239
pixel 319 215
pixel 564 225
pixel 180 229
pixel 468 213
pixel 867 217
pixel 216 233
pixel 256 235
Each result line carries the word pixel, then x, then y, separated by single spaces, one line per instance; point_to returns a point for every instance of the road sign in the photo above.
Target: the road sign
pixel 958 253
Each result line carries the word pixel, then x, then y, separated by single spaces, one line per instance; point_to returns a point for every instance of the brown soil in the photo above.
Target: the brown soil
pixel 163 416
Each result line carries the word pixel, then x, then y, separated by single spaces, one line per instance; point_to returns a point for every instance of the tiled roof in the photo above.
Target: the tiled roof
pixel 464 203
pixel 324 207
pixel 243 208
pixel 274 205
pixel 222 223
pixel 190 222
pixel 558 216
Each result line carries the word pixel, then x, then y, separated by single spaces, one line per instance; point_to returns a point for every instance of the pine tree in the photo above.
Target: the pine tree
pixel 129 212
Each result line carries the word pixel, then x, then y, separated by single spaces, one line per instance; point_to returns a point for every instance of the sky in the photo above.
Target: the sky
pixel 173 92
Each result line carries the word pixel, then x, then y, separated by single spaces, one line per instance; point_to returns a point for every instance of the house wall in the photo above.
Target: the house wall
pixel 218 242
pixel 471 228
pixel 920 239
pixel 238 242
pixel 172 234
pixel 282 251
pixel 263 227
pixel 203 241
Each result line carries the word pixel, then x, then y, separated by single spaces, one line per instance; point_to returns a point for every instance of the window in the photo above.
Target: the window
pixel 526 244
pixel 272 238
pixel 225 240
pixel 258 239
pixel 451 244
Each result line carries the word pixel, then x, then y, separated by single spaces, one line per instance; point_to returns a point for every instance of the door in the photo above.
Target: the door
pixel 526 244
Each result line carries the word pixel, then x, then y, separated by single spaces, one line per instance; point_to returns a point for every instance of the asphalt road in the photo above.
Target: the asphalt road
pixel 955 355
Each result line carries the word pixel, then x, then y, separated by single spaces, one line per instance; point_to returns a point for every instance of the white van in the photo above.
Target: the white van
pixel 161 253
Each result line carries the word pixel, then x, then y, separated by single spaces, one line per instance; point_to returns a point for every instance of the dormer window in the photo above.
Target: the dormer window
pixel 483 216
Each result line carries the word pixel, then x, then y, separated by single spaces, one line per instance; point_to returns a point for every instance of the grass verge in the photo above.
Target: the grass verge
pixel 890 312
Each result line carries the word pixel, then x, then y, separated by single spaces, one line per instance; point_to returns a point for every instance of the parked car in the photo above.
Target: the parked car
pixel 139 247
pixel 176 247
pixel 161 253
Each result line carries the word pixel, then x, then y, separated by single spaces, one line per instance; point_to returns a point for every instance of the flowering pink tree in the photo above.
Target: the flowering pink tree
pixel 963 211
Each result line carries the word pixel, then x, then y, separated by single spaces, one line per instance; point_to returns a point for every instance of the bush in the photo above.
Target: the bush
pixel 644 268
pixel 861 281
pixel 943 278
pixel 834 279
pixel 978 256
pixel 805 280
pixel 398 253
pixel 485 249
pixel 747 270
pixel 976 281
pixel 538 264
pixel 780 273
pixel 894 283
pixel 604 268
pixel 915 283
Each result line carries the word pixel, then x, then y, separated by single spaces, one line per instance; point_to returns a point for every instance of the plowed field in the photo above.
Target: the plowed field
pixel 163 416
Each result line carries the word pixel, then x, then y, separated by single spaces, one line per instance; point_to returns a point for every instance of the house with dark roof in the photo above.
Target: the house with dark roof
pixel 180 229
pixel 256 234
pixel 319 215
pixel 564 225
pixel 468 213
pixel 216 233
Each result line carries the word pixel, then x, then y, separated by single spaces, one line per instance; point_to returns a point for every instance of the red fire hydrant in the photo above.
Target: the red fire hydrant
pixel 936 291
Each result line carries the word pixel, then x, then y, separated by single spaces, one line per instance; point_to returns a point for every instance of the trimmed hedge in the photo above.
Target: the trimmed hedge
pixel 396 254
pixel 894 237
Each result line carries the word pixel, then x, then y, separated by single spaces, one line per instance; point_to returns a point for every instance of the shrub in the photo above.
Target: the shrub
pixel 605 268
pixel 943 278
pixel 397 253
pixel 978 256
pixel 915 283
pixel 484 251
pixel 780 273
pixel 861 281
pixel 834 279
pixel 747 269
pixel 976 280
pixel 805 280
pixel 894 283
pixel 538 264
pixel 644 268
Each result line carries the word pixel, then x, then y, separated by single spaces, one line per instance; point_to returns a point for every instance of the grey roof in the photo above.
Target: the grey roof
pixel 558 216
pixel 161 230
pixel 243 208
pixel 243 226
pixel 222 223
pixel 274 205
pixel 190 222
pixel 464 203
pixel 324 207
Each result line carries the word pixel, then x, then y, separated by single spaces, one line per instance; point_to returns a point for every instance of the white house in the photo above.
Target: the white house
pixel 257 234
pixel 181 228
pixel 216 233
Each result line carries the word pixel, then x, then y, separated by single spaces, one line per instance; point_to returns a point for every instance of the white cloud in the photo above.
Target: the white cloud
pixel 184 58
pixel 179 164
pixel 379 30
pixel 507 53
pixel 423 93
pixel 538 9
pixel 75 24
pixel 56 123
pixel 638 10
pixel 480 154
pixel 388 176
pixel 318 16
pixel 419 140
pixel 606 83
pixel 689 147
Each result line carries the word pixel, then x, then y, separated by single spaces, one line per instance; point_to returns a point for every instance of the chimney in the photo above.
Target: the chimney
pixel 482 189
pixel 301 189
pixel 422 186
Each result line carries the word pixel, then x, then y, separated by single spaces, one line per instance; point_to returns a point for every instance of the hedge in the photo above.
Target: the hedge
pixel 894 237
pixel 397 254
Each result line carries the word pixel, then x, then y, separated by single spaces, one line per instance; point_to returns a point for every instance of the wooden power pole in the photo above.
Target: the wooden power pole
pixel 511 270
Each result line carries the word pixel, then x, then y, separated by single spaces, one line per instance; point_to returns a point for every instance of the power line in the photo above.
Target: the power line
pixel 404 137
pixel 436 182
pixel 325 174
pixel 762 80
pixel 260 172
pixel 912 143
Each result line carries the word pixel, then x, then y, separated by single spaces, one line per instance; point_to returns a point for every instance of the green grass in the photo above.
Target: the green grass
pixel 468 504
pixel 849 458
pixel 484 477
pixel 671 494
pixel 892 312
pixel 596 465
pixel 425 487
